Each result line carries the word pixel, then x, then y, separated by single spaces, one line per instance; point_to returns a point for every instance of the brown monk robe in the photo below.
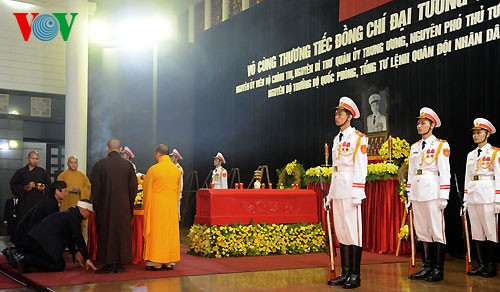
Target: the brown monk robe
pixel 114 187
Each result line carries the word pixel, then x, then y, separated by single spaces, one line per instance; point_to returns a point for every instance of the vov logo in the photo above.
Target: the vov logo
pixel 45 27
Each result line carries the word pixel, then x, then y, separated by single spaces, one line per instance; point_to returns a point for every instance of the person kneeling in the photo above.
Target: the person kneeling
pixel 43 247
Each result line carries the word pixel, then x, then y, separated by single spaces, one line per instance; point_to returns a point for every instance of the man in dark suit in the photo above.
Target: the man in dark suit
pixel 43 247
pixel 9 214
pixel 114 187
pixel 48 205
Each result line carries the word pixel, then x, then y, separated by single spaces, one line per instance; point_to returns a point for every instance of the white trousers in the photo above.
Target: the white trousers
pixel 347 221
pixel 429 221
pixel 483 222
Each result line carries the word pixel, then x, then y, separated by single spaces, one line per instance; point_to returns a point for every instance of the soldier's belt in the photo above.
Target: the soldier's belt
pixel 483 177
pixel 424 171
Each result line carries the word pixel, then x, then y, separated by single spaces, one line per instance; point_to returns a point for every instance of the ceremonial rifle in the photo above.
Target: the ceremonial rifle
pixel 413 268
pixel 463 213
pixel 331 266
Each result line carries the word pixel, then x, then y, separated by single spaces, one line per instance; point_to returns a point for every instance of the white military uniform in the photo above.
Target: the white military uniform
pixel 482 191
pixel 428 185
pixel 376 123
pixel 181 187
pixel 349 170
pixel 219 178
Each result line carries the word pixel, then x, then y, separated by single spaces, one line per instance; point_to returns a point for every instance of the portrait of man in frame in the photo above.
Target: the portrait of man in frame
pixel 376 111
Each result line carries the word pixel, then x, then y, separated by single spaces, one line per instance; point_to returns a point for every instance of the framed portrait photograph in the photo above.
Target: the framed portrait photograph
pixel 375 111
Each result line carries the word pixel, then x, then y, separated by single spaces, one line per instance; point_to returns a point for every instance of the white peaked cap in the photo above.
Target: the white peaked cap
pixel 128 152
pixel 481 123
pixel 348 104
pixel 176 154
pixel 220 157
pixel 428 113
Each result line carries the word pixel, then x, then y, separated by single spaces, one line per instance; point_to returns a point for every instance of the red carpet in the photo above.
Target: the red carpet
pixel 7 283
pixel 189 266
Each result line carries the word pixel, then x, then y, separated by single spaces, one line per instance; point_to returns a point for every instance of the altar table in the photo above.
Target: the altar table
pixel 228 206
pixel 137 238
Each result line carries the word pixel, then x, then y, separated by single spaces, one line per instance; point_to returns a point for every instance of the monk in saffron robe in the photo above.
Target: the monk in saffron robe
pixel 78 184
pixel 161 227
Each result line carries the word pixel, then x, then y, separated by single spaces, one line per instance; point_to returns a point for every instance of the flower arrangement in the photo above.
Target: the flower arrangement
pixel 292 173
pixel 403 232
pixel 395 152
pixel 313 174
pixel 403 179
pixel 395 149
pixel 383 170
pixel 138 199
pixel 255 239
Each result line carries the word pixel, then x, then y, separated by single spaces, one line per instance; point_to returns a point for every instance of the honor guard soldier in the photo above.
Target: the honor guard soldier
pixel 127 154
pixel 482 197
pixel 347 189
pixel 175 156
pixel 429 189
pixel 219 174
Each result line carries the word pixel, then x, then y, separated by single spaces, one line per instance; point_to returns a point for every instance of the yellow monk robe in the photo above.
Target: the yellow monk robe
pixel 74 178
pixel 161 226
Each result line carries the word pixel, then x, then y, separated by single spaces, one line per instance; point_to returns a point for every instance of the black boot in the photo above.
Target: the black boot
pixel 346 260
pixel 437 273
pixel 354 280
pixel 426 260
pixel 490 269
pixel 480 249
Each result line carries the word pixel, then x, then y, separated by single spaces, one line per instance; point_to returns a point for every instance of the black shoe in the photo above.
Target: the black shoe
pixel 21 262
pixel 167 267
pixel 107 269
pixel 154 268
pixel 4 252
pixel 119 269
pixel 340 280
pixel 420 275
pixel 490 270
pixel 9 254
pixel 354 281
pixel 435 276
pixel 477 271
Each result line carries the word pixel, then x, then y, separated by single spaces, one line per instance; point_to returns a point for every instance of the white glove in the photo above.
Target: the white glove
pixel 497 208
pixel 356 202
pixel 465 206
pixel 443 203
pixel 328 203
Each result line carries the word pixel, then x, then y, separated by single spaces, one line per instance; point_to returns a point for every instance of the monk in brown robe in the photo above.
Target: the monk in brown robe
pixel 114 187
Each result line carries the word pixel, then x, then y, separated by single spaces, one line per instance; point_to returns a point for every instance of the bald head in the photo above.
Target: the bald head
pixel 162 149
pixel 114 145
pixel 72 162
